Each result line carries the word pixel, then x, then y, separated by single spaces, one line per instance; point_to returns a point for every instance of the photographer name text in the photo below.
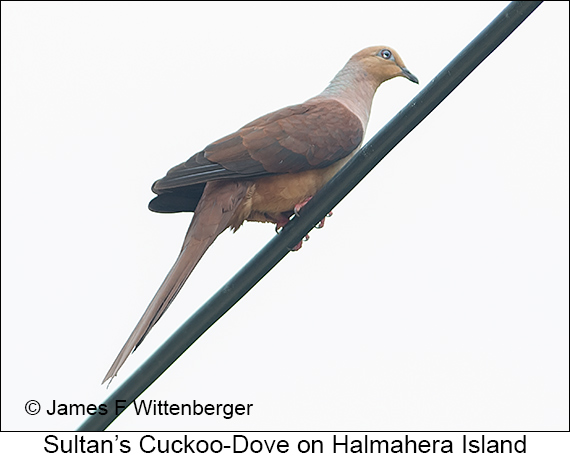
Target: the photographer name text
pixel 150 408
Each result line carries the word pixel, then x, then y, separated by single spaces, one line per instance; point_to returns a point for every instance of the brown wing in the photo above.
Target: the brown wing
pixel 311 135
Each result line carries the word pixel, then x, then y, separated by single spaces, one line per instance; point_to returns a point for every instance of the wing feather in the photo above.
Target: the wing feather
pixel 311 135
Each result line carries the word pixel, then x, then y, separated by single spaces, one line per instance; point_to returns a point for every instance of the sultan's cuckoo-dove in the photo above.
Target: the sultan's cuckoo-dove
pixel 266 170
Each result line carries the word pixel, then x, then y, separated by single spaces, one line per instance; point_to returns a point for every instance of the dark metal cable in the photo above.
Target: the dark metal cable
pixel 323 202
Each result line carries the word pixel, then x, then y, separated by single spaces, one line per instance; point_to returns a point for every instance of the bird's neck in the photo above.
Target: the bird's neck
pixel 355 88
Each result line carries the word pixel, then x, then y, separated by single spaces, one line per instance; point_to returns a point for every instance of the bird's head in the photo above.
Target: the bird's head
pixel 383 63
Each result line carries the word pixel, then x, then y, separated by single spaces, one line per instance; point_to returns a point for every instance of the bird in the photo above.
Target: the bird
pixel 265 171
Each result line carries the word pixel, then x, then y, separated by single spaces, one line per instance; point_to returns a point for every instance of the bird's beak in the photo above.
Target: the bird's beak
pixel 407 74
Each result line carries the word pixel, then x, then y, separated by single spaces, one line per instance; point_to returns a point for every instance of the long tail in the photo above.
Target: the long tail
pixel 212 216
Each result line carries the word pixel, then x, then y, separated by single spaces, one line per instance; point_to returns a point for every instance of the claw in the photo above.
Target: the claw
pixel 299 245
pixel 298 206
pixel 280 224
pixel 321 224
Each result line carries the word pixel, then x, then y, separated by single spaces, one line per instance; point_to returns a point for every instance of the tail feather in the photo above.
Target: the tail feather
pixel 212 217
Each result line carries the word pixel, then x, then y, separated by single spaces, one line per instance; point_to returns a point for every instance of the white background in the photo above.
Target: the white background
pixel 436 298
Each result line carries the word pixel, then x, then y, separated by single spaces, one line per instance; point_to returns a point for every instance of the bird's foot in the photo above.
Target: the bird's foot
pixel 299 245
pixel 321 224
pixel 280 224
pixel 298 206
pixel 283 222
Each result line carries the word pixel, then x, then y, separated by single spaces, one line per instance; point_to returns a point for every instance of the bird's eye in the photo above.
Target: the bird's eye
pixel 385 54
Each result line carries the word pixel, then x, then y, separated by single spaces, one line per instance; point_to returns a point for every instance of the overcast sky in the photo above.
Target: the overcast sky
pixel 436 297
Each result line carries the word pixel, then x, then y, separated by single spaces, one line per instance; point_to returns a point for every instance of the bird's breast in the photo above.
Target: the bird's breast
pixel 276 195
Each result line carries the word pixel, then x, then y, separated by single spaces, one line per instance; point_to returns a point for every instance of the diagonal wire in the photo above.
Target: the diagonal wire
pixel 321 204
